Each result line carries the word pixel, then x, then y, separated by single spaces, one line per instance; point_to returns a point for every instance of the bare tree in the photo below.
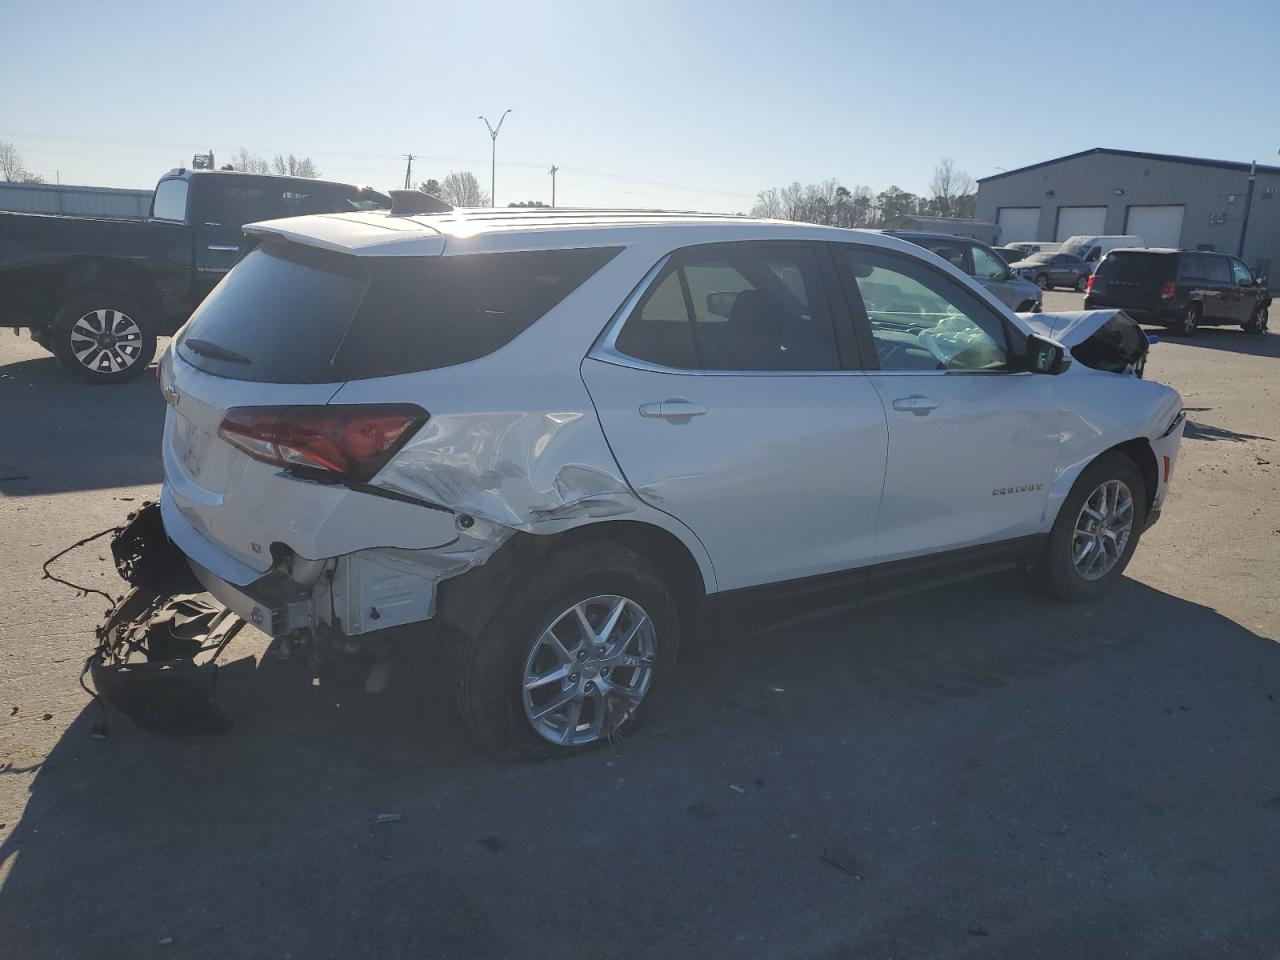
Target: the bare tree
pixel 247 162
pixel 292 166
pixel 463 190
pixel 949 189
pixel 768 204
pixel 12 167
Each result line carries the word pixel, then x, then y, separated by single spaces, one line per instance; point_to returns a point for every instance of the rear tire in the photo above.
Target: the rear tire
pixel 1187 323
pixel 1258 322
pixel 102 337
pixel 536 634
pixel 1089 549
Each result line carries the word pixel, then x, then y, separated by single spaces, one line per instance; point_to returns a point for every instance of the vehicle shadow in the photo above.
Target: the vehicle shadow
pixel 76 435
pixel 971 771
pixel 1200 431
pixel 1231 339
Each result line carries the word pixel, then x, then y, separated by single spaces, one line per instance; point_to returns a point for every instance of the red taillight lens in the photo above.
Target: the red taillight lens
pixel 348 442
pixel 1167 291
pixel 1088 284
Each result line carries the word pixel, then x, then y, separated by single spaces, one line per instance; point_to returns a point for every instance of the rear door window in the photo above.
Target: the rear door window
pixel 293 314
pixel 1219 269
pixel 735 307
pixel 1193 267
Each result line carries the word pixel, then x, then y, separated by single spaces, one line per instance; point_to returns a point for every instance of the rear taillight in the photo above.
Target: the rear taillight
pixel 1088 284
pixel 344 442
pixel 1167 290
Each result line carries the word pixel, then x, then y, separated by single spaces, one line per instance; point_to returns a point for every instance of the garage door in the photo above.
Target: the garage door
pixel 1018 223
pixel 1080 221
pixel 1158 226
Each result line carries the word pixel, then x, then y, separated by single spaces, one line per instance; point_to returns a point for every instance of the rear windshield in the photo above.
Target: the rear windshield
pixel 293 314
pixel 1137 265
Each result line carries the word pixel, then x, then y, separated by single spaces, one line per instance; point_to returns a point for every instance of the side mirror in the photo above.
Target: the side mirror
pixel 1046 356
pixel 1260 281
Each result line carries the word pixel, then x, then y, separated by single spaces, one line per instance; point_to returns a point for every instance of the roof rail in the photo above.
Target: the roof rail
pixel 407 203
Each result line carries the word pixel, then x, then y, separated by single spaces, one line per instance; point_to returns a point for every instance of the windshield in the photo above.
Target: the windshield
pixel 1039 257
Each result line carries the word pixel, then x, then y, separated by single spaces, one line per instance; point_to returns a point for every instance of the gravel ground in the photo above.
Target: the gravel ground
pixel 975 772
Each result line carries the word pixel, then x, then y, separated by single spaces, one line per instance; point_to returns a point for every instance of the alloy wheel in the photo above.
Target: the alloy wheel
pixel 106 341
pixel 1102 530
pixel 588 671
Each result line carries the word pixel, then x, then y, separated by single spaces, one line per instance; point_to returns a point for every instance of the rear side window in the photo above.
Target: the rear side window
pixel 735 307
pixel 170 202
pixel 293 314
pixel 421 313
pixel 1193 267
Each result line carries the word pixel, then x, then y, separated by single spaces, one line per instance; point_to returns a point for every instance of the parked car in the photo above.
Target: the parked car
pixel 1093 249
pixel 96 292
pixel 564 442
pixel 1181 289
pixel 983 264
pixel 1049 270
pixel 1009 254
pixel 1029 247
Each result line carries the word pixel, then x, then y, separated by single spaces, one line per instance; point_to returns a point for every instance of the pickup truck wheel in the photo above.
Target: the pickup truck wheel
pixel 1258 322
pixel 1096 531
pixel 102 337
pixel 571 659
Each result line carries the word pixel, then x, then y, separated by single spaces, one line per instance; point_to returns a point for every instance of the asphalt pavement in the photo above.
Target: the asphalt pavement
pixel 973 772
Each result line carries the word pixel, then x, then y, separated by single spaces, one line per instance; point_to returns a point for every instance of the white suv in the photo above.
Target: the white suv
pixel 559 438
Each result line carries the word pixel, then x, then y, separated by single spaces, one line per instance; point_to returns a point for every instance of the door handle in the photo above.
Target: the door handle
pixel 674 409
pixel 916 404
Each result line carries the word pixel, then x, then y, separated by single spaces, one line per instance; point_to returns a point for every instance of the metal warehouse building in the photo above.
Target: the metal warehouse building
pixel 80 201
pixel 1169 201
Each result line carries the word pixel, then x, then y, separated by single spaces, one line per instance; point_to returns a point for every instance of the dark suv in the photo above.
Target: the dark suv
pixel 1180 289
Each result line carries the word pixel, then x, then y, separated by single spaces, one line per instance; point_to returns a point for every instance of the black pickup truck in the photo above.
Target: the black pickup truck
pixel 96 292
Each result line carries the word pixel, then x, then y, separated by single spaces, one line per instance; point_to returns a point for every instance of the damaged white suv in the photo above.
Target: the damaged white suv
pixel 559 438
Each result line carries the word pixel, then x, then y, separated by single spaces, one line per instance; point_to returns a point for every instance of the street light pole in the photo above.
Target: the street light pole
pixel 553 171
pixel 493 155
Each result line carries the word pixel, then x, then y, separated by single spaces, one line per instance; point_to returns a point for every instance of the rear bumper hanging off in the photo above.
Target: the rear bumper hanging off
pixel 156 655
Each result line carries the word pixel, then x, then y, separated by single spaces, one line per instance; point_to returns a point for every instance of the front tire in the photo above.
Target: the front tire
pixel 572 657
pixel 1042 281
pixel 1097 530
pixel 1082 283
pixel 102 338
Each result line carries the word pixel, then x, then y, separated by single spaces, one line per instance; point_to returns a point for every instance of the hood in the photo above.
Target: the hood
pixel 1107 340
pixel 1070 328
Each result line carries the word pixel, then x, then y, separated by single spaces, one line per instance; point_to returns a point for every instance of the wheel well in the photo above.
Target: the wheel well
pixel 1140 452
pixel 669 556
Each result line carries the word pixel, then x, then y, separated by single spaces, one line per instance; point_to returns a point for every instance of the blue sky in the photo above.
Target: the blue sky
pixel 690 105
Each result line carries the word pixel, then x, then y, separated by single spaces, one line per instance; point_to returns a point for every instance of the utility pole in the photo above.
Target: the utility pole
pixel 1248 204
pixel 493 156
pixel 552 171
pixel 408 170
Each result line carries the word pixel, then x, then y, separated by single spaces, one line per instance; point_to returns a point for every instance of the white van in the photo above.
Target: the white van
pixel 1093 249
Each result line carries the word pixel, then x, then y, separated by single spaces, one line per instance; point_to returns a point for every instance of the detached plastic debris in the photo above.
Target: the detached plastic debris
pixel 156 652
pixel 387 818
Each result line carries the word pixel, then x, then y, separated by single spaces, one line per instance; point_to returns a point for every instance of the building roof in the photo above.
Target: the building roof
pixel 1167 157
